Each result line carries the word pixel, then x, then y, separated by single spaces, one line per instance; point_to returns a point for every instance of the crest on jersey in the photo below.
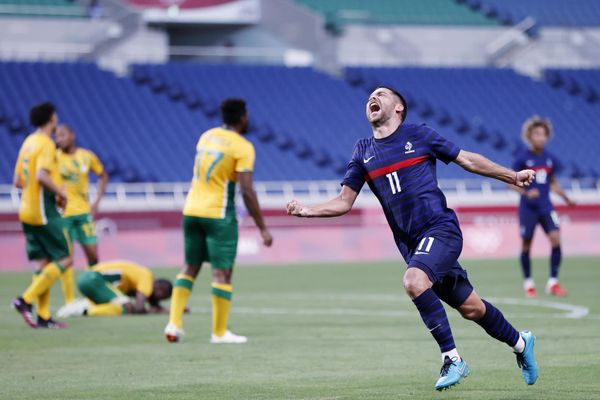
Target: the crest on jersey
pixel 529 163
pixel 408 148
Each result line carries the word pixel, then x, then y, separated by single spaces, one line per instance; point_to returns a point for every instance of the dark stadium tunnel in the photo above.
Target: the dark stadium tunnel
pixel 461 125
pixel 16 124
pixel 284 142
pixel 499 142
pixel 590 95
pixel 175 92
pixel 444 118
pixel 322 158
pixel 481 134
pixel 157 84
pixel 572 86
pixel 554 78
pixel 303 149
pixel 192 100
pixel 140 75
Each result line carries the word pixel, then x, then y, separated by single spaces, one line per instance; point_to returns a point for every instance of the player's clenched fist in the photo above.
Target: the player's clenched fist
pixel 524 177
pixel 295 208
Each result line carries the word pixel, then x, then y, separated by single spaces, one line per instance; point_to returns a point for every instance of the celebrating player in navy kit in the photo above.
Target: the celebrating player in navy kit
pixel 399 164
pixel 535 206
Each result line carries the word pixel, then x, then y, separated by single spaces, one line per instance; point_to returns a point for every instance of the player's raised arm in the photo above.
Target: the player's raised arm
pixel 251 202
pixel 478 164
pixel 335 207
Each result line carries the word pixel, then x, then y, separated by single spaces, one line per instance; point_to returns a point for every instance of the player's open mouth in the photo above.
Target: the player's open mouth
pixel 374 107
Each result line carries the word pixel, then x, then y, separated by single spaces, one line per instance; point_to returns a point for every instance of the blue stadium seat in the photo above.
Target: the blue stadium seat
pixel 304 123
pixel 546 12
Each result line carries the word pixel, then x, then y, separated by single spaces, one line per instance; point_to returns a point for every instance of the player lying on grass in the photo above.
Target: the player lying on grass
pixel 116 288
pixel 399 164
pixel 535 205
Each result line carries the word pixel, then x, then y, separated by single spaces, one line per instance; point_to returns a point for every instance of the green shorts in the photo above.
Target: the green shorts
pixel 210 239
pixel 47 242
pixel 92 285
pixel 81 228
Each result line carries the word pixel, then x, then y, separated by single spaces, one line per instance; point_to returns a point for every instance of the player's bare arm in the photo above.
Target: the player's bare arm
pixel 17 181
pixel 556 188
pixel 335 207
pixel 43 177
pixel 139 305
pixel 102 182
pixel 251 202
pixel 478 164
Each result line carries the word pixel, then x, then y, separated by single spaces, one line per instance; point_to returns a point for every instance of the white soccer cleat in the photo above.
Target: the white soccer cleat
pixel 228 338
pixel 174 334
pixel 74 309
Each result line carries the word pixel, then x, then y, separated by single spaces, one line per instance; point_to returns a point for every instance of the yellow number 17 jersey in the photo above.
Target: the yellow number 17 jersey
pixel 220 153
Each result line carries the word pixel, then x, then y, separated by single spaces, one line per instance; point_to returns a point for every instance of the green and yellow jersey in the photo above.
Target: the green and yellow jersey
pixel 74 171
pixel 220 153
pixel 38 205
pixel 127 276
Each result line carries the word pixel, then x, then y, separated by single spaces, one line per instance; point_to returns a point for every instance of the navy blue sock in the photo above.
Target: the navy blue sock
pixel 526 264
pixel 555 258
pixel 435 318
pixel 497 326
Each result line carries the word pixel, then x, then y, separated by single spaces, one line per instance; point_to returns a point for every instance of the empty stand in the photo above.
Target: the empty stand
pixel 304 123
pixel 42 8
pixel 411 12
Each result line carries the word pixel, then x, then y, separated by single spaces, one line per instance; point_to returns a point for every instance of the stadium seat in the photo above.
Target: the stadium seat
pixel 547 12
pixel 432 12
pixel 299 134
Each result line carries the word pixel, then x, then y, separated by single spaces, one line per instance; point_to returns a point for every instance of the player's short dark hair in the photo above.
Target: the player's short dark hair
pixel 41 114
pixel 402 99
pixel 166 284
pixel 233 110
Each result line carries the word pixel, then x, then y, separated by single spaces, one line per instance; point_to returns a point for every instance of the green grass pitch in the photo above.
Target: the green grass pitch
pixel 315 332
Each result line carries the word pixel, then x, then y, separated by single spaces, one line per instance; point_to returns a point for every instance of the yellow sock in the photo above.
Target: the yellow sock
pixel 67 279
pixel 46 278
pixel 105 310
pixel 179 298
pixel 43 307
pixel 221 302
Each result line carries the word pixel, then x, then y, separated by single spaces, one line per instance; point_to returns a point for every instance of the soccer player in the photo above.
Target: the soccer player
pixel 399 164
pixel 119 287
pixel 74 165
pixel 46 240
pixel 223 158
pixel 535 206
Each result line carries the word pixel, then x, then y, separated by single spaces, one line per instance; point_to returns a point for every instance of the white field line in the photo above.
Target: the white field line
pixel 569 311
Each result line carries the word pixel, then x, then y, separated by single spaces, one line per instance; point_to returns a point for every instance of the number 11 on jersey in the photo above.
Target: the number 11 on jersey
pixel 394 182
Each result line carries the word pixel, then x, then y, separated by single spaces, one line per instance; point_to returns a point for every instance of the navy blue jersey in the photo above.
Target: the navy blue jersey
pixel 401 171
pixel 545 166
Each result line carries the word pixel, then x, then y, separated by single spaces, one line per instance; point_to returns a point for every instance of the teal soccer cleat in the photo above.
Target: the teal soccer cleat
pixel 526 360
pixel 451 373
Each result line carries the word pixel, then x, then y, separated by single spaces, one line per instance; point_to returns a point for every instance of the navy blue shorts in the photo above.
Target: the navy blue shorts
pixel 437 255
pixel 529 219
